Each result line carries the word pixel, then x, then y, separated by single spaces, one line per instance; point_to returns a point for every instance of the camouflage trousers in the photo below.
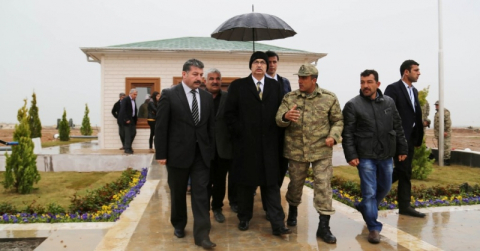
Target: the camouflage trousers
pixel 447 147
pixel 322 171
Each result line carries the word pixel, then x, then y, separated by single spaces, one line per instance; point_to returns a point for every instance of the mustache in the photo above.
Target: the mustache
pixel 198 82
pixel 215 84
pixel 366 89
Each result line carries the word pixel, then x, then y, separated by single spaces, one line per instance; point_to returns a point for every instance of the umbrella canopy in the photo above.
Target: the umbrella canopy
pixel 253 27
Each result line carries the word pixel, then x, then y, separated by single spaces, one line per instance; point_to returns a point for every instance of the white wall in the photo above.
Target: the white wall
pixel 117 67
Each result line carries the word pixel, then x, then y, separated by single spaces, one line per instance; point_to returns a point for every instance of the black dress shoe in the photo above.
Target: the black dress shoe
pixel 206 244
pixel 219 217
pixel 180 233
pixel 234 208
pixel 281 230
pixel 243 225
pixel 128 152
pixel 411 212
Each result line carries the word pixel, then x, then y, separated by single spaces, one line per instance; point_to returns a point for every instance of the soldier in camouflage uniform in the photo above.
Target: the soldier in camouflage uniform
pixel 425 114
pixel 447 133
pixel 314 123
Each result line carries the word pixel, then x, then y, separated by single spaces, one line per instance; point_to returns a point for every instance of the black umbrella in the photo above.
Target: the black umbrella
pixel 253 27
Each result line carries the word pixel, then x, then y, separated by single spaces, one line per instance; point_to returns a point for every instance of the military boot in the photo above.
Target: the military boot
pixel 292 216
pixel 324 230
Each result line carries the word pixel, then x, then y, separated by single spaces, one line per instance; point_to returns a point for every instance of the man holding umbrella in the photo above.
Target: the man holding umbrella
pixel 250 110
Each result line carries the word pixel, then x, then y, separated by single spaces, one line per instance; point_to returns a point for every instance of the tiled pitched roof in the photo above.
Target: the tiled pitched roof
pixel 204 44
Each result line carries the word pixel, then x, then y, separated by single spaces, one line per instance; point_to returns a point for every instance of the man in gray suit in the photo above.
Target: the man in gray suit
pixel 223 149
pixel 184 142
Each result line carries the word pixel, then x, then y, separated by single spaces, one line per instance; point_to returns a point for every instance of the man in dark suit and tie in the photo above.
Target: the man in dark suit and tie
pixel 250 111
pixel 127 118
pixel 184 142
pixel 405 96
pixel 222 160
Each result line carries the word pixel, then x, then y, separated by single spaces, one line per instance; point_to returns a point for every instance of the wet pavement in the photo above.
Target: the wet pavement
pixel 146 226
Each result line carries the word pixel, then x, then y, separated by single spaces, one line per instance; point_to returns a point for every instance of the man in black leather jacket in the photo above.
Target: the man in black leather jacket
pixel 372 135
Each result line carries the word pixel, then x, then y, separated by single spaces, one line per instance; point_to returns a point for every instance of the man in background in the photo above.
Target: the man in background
pixel 128 119
pixel 221 162
pixel 115 112
pixel 447 133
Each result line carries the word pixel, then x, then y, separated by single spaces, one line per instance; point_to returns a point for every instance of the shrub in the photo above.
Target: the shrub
pixel 422 166
pixel 21 166
pixel 63 128
pixel 86 129
pixel 34 119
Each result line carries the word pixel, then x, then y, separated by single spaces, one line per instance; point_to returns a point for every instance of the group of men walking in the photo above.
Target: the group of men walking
pixel 261 128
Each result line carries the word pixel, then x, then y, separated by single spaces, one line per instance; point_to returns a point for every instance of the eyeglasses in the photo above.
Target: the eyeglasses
pixel 259 62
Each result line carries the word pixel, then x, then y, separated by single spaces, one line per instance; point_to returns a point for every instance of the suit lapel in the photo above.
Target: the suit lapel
pixel 267 88
pixel 203 105
pixel 223 98
pixel 405 93
pixel 183 100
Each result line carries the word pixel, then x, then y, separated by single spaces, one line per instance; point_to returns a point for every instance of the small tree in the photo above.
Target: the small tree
pixel 86 129
pixel 21 166
pixel 63 128
pixel 34 120
pixel 422 165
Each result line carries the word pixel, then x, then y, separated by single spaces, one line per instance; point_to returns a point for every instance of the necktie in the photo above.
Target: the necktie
pixel 412 99
pixel 259 89
pixel 194 107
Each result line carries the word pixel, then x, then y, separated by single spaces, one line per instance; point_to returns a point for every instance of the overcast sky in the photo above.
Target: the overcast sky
pixel 40 41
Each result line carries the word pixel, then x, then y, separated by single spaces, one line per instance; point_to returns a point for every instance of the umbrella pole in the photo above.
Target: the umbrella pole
pixel 253 40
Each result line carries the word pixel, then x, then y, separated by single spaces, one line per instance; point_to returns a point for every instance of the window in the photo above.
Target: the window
pixel 145 87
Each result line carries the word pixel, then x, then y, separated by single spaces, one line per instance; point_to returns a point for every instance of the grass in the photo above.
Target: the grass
pixel 58 187
pixel 441 176
pixel 62 143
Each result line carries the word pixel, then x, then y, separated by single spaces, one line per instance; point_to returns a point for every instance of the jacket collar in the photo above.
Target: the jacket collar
pixel 316 92
pixel 378 98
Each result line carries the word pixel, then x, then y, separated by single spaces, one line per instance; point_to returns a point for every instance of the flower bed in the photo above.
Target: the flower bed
pixel 102 205
pixel 349 193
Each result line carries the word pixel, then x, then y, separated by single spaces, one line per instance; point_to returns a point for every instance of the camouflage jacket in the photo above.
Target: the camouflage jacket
pixel 426 113
pixel 320 117
pixel 447 123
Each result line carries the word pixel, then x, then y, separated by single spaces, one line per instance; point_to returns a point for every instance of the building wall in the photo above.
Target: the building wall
pixel 117 67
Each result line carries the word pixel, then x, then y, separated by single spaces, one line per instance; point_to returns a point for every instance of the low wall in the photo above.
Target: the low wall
pixel 460 157
pixel 88 162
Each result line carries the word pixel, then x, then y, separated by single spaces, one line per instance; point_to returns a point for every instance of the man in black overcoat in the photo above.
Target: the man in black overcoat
pixel 405 96
pixel 250 111
pixel 127 118
pixel 184 142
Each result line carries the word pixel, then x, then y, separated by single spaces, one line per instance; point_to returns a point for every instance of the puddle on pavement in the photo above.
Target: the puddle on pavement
pixel 69 149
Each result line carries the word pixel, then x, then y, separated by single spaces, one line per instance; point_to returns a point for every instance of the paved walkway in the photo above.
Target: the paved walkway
pixel 146 226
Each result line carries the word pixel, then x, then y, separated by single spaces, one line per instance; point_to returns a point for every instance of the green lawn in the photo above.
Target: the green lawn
pixel 61 143
pixel 57 187
pixel 453 175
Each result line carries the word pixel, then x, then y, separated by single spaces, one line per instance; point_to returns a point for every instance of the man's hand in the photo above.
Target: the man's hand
pixel 445 134
pixel 354 162
pixel 128 122
pixel 162 161
pixel 330 142
pixel 402 157
pixel 292 115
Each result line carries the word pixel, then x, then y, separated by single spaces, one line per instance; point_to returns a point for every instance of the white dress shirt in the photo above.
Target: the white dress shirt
pixel 190 98
pixel 274 77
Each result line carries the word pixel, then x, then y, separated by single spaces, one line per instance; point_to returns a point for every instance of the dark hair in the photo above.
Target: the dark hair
pixel 154 97
pixel 192 62
pixel 367 73
pixel 272 54
pixel 407 65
